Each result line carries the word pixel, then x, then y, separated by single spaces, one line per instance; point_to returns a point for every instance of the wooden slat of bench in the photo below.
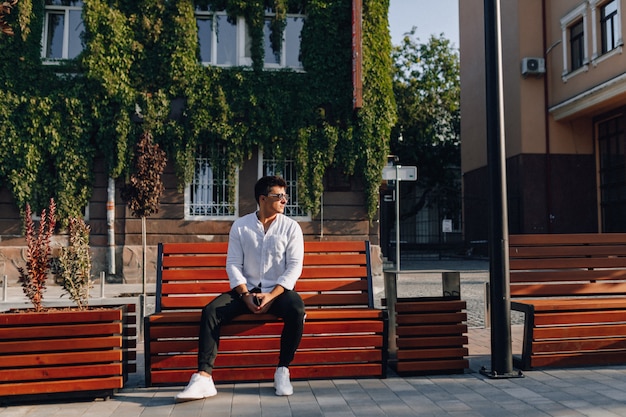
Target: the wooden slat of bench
pixel 337 246
pixel 430 306
pixel 434 341
pixel 60 345
pixel 310 273
pixel 50 387
pixel 302 286
pixel 580 317
pixel 37 359
pixel 301 358
pixel 326 299
pixel 570 304
pixel 426 354
pixel 453 329
pixel 578 345
pixel 239 328
pixel 41 332
pixel 160 348
pixel 194 248
pixel 194 275
pixel 312 314
pixel 453 365
pixel 567 239
pixel 264 359
pixel 566 263
pixel 588 331
pixel 567 275
pixel 567 251
pixel 552 290
pixel 60 372
pixel 219 260
pixel 577 359
pixel 435 318
pixel 200 261
pixel 316 327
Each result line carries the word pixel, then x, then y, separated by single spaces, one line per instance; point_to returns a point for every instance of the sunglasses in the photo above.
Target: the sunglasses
pixel 279 196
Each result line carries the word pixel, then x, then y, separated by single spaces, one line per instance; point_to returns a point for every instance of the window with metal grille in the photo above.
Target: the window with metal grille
pixel 286 169
pixel 208 195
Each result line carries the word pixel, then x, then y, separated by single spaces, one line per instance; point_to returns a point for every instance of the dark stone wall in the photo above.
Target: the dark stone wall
pixel 566 203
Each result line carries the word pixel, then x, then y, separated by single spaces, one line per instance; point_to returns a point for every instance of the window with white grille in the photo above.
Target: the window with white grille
pixel 286 169
pixel 209 194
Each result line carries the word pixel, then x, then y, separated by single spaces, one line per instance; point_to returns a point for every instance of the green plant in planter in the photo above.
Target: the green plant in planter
pixel 75 263
pixel 39 254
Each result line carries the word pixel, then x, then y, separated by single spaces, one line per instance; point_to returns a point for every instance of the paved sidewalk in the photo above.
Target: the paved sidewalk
pixel 562 392
pixel 598 391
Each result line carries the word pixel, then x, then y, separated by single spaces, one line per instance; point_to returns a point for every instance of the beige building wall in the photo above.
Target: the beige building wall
pixel 549 119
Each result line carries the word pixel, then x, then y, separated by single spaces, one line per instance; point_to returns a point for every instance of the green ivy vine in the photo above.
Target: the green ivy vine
pixel 140 64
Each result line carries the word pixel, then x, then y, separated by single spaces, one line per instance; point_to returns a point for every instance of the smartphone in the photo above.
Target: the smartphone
pixel 256 300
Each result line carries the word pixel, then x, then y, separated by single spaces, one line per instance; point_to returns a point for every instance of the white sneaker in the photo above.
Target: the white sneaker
pixel 281 381
pixel 199 387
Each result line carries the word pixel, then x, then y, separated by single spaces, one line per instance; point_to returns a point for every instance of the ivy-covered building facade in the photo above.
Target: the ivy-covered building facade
pixel 231 90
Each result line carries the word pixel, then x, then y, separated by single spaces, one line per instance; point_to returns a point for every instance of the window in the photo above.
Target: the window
pixel 289 53
pixel 63 27
pixel 573 28
pixel 291 45
pixel 228 44
pixel 208 195
pixel 609 26
pixel 217 38
pixel 577 45
pixel 285 168
pixel 612 161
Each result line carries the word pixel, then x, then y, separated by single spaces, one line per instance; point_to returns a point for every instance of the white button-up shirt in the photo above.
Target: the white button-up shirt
pixel 265 259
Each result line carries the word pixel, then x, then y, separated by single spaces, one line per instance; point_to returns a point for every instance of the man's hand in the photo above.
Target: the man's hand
pixel 262 302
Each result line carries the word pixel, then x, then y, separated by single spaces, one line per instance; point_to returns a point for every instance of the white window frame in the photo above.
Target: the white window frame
pixel 597 56
pixel 58 9
pixel 292 185
pixel 242 52
pixel 204 163
pixel 202 14
pixel 566 21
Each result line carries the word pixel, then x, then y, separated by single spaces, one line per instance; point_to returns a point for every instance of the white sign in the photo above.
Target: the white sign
pixel 446 226
pixel 403 173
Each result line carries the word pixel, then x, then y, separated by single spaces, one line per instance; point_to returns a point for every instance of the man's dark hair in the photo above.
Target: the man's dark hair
pixel 263 186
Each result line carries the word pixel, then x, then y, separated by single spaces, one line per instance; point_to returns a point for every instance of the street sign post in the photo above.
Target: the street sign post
pixel 398 173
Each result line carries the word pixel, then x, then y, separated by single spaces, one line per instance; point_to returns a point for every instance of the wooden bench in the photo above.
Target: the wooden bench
pixel 344 335
pixel 572 290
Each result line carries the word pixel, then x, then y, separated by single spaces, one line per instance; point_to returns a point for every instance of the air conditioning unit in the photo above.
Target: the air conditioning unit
pixel 533 66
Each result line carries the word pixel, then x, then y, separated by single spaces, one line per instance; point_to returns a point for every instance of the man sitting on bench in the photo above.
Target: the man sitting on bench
pixel 264 261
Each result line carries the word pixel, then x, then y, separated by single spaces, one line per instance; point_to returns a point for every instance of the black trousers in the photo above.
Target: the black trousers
pixel 288 306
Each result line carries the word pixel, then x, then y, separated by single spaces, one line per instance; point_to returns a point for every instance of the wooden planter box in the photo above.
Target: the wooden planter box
pixel 431 334
pixel 74 353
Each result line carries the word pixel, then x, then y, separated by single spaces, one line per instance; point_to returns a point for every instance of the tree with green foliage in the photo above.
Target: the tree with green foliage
pixel 426 86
